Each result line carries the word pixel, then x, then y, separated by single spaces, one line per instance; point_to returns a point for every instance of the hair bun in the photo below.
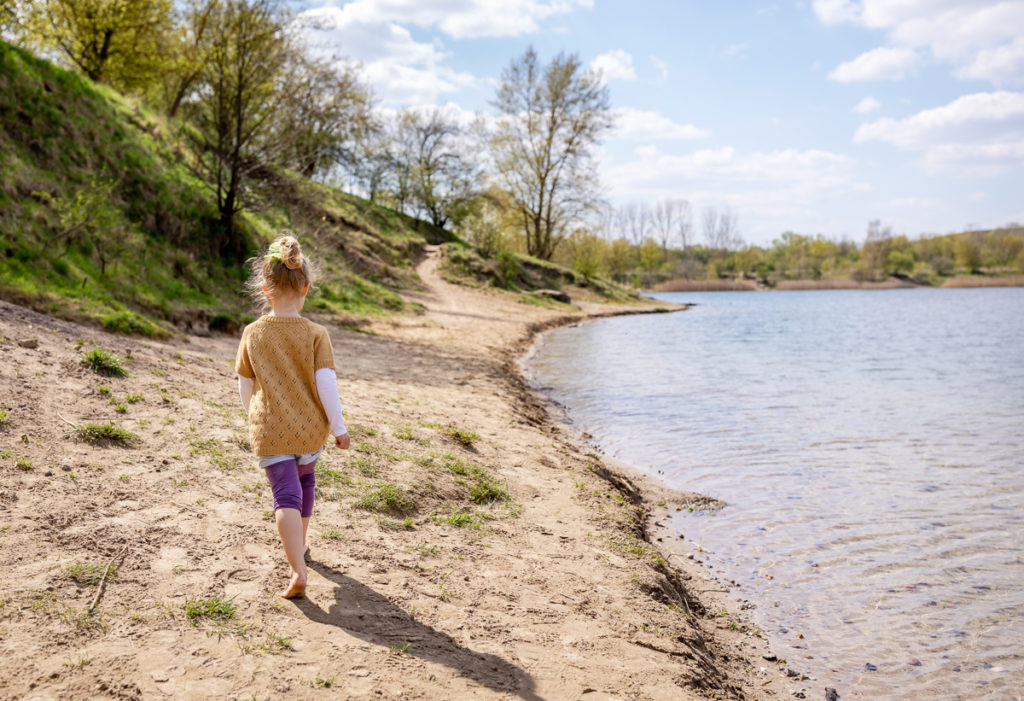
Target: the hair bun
pixel 291 253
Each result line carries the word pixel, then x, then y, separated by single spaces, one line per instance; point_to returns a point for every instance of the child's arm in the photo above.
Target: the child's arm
pixel 245 385
pixel 327 393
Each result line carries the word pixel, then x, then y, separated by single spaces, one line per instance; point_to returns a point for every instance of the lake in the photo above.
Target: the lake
pixel 869 445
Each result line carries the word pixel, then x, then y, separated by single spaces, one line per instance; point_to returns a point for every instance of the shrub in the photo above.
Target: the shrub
pixel 104 363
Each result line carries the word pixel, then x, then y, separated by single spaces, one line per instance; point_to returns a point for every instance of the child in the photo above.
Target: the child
pixel 286 378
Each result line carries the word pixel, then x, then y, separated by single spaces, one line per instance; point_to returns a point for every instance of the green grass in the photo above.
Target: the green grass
pixel 459 519
pixel 89 575
pixel 272 644
pixel 214 608
pixel 23 464
pixel 3 417
pixel 483 487
pixel 386 497
pixel 104 363
pixel 466 438
pixel 105 434
pixel 216 452
pixel 132 324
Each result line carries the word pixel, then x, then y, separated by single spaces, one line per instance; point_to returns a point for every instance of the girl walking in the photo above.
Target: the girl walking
pixel 286 378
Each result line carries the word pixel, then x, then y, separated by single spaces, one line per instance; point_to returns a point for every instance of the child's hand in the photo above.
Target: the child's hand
pixel 342 441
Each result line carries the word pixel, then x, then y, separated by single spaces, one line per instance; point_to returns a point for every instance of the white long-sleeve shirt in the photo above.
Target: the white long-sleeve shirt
pixel 327 393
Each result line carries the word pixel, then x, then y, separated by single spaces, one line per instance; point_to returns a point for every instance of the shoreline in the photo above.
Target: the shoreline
pixel 554 591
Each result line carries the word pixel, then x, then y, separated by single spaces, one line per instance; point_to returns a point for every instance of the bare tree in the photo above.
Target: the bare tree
pixel 551 117
pixel 721 227
pixel 635 219
pixel 877 244
pixel 442 179
pixel 670 218
pixel 323 111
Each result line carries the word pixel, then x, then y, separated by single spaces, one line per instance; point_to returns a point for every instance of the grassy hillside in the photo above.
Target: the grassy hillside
pixel 101 217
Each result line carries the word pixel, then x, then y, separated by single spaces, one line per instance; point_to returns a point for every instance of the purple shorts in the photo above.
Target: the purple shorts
pixel 293 485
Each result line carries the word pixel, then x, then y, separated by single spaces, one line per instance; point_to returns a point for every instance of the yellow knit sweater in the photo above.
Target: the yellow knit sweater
pixel 282 355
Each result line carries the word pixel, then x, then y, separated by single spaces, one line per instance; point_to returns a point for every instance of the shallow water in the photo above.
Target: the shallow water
pixel 870 448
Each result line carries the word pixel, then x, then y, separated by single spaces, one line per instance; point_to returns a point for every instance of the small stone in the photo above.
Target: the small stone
pixel 831 694
pixel 914 662
pixel 770 658
pixel 870 667
pixel 29 343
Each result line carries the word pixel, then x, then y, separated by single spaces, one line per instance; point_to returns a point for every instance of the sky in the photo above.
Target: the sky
pixel 811 116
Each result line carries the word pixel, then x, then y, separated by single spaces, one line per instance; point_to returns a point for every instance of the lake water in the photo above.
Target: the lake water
pixel 870 448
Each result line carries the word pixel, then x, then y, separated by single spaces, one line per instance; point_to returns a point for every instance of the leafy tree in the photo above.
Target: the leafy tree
pixel 237 102
pixel 120 42
pixel 967 252
pixel 190 44
pixel 551 117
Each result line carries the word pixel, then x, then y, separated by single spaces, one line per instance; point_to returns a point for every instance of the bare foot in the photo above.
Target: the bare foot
pixel 296 589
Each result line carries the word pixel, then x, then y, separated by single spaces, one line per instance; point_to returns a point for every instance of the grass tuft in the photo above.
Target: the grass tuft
pixel 105 434
pixel 89 575
pixel 104 363
pixel 214 608
pixel 385 497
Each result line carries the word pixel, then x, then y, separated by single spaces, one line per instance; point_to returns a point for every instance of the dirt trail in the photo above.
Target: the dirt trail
pixel 542 588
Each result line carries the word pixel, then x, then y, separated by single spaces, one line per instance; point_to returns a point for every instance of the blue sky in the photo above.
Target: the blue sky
pixel 813 116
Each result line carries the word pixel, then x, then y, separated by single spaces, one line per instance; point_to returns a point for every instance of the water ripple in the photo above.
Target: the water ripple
pixel 869 446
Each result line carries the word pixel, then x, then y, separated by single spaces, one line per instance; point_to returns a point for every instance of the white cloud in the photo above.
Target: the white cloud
pixel 636 125
pixel 614 64
pixel 977 196
pixel 979 134
pixel 400 69
pixel 883 63
pixel 464 19
pixel 868 104
pixel 981 39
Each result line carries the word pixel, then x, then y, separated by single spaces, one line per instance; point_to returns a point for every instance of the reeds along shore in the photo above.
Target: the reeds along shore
pixel 746 285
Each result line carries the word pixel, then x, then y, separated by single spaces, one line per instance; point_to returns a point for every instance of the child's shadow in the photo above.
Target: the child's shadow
pixel 366 614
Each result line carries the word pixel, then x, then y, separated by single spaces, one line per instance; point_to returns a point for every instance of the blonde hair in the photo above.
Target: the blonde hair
pixel 283 268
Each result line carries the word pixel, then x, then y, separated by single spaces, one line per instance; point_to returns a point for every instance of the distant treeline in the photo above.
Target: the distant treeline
pixel 880 258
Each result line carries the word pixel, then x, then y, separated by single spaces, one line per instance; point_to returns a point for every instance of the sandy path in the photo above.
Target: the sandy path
pixel 550 594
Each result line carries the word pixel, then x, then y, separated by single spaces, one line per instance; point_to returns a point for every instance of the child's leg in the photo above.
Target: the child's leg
pixel 284 482
pixel 307 481
pixel 289 527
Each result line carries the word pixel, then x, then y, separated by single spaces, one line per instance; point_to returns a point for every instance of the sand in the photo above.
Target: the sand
pixel 555 592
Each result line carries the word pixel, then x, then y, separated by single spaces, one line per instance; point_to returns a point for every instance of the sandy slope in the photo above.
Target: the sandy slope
pixel 551 594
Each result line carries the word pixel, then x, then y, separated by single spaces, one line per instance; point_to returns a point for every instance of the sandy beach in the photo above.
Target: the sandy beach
pixel 557 583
